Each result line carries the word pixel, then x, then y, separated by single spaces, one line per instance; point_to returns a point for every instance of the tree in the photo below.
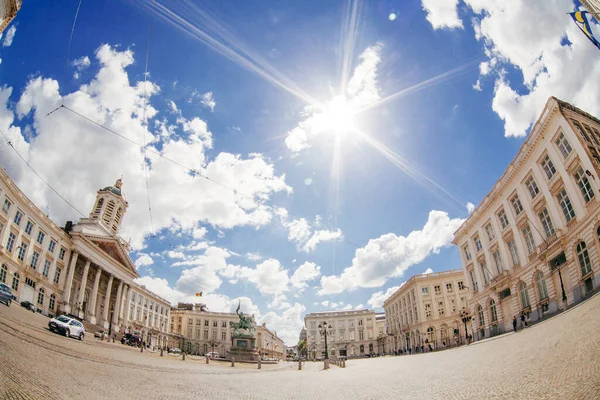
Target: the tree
pixel 213 343
pixel 301 348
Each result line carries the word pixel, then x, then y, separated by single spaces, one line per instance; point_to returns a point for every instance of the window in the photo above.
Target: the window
pixel 466 252
pixel 548 167
pixel 57 275
pixel 490 232
pixel 486 278
pixel 360 322
pixel 215 324
pixel 449 287
pixel 580 130
pixel 425 291
pixel 498 261
pixel 51 246
pixel 584 185
pixel 361 336
pixel 52 302
pixel 224 335
pixel 41 297
pixel 427 310
pixel 541 284
pixel 22 251
pixel 493 311
pixel 438 289
pixel 29 227
pixel 214 335
pixel 532 187
pixel 478 245
pixel 10 242
pixel 514 254
pixel 40 238
pixel 584 259
pixel 546 222
pixel 34 259
pixel 502 218
pixel 61 253
pixel 15 282
pixel 516 203
pixel 565 205
pixel 481 316
pixel 441 310
pixel 18 217
pixel 528 239
pixel 473 281
pixel 190 321
pixel 3 272
pixel 524 295
pixel 461 285
pixel 453 305
pixel 205 334
pixel 224 324
pixel 563 145
pixel 6 206
pixel 205 322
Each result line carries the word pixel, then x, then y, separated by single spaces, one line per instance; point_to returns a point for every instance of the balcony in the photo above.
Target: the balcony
pixel 549 243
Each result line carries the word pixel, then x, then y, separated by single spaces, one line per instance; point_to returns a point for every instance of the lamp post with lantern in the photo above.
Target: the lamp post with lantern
pixel 465 316
pixel 324 331
pixel 112 311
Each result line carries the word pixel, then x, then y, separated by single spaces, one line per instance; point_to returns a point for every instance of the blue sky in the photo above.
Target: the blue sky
pixel 325 214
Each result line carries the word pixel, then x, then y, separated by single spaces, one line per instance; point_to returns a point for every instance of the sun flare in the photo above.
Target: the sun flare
pixel 337 116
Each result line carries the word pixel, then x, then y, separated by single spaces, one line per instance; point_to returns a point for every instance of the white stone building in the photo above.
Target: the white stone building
pixel 83 270
pixel 353 333
pixel 269 344
pixel 425 311
pixel 8 12
pixel 532 246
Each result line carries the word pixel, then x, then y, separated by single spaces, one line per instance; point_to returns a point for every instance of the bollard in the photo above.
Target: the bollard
pixel 141 349
pixel 183 356
pixel 232 362
pixel 259 364
pixel 113 339
pixel 299 365
pixel 161 351
pixel 344 363
pixel 207 359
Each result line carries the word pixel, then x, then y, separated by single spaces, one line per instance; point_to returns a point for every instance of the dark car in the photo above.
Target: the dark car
pixel 6 295
pixel 28 305
pixel 131 339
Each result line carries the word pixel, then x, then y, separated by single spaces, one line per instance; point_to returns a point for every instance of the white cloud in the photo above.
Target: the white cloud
pixel 10 36
pixel 80 64
pixel 347 307
pixel 208 101
pixel 178 198
pixel 359 307
pixel 362 90
pixel 378 298
pixel 442 13
pixel 253 256
pixel 202 276
pixel 303 274
pixel 470 207
pixel 175 254
pixel 269 276
pixel 288 324
pixel 554 59
pixel 428 271
pixel 143 260
pixel 304 235
pixel 389 256
pixel 325 303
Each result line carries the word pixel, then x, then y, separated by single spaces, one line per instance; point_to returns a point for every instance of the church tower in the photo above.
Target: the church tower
pixel 110 206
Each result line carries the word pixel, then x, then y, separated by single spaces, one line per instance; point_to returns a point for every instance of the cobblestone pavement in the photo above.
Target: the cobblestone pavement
pixel 556 359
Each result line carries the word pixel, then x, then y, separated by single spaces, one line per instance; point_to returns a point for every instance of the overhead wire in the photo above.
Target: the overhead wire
pixel 69 45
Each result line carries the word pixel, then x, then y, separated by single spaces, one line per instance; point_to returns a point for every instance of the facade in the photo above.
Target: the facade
pixel 532 246
pixel 592 6
pixel 82 270
pixel 269 344
pixel 200 331
pixel 9 9
pixel 383 339
pixel 353 333
pixel 425 311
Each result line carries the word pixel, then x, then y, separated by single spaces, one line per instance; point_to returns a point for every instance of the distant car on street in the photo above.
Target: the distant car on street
pixel 67 326
pixel 175 351
pixel 28 306
pixel 100 334
pixel 6 296
pixel 131 339
pixel 213 354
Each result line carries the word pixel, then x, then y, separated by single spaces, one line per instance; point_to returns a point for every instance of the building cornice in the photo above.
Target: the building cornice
pixel 421 278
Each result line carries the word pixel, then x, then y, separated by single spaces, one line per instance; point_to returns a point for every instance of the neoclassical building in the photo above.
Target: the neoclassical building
pixel 353 333
pixel 8 10
pixel 269 344
pixel 82 269
pixel 531 247
pixel 425 311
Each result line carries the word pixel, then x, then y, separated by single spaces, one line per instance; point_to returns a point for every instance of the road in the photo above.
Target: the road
pixel 558 358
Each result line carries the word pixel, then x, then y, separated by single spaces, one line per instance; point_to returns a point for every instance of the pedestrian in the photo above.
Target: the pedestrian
pixel 523 322
pixel 515 323
pixel 422 348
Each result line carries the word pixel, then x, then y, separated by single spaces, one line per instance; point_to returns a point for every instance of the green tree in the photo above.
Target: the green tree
pixel 301 348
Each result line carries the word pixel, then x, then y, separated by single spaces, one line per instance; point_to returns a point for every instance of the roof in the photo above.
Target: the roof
pixel 112 189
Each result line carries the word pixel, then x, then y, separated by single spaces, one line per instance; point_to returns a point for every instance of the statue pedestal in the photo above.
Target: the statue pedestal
pixel 243 348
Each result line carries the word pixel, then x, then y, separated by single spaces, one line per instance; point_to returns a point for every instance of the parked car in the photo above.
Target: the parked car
pixel 213 354
pixel 100 334
pixel 67 326
pixel 175 350
pixel 131 339
pixel 28 306
pixel 5 294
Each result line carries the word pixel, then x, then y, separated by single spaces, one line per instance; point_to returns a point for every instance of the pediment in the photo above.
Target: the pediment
pixel 115 250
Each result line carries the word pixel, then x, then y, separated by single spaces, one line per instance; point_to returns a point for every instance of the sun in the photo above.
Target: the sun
pixel 337 116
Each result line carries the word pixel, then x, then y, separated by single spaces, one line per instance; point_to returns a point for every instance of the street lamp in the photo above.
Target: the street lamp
pixel 465 316
pixel 112 311
pixel 323 331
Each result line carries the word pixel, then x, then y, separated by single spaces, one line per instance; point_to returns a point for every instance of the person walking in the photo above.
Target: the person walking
pixel 523 322
pixel 515 323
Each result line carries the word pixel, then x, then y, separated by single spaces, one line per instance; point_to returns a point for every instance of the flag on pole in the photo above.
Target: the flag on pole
pixel 583 24
pixel 199 294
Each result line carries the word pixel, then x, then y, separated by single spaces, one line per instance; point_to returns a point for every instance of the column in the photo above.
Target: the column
pixel 127 308
pixel 107 303
pixel 123 303
pixel 118 301
pixel 95 295
pixel 80 298
pixel 69 283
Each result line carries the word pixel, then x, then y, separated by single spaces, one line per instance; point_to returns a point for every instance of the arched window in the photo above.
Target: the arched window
pixel 51 302
pixel 3 272
pixel 493 311
pixel 541 284
pixel 15 282
pixel 98 207
pixel 430 335
pixel 584 259
pixel 370 347
pixel 524 295
pixel 481 316
pixel 41 297
pixel 362 349
pixel 205 348
pixel 443 332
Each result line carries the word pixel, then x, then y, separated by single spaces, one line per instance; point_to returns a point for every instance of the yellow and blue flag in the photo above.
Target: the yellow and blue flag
pixel 583 24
